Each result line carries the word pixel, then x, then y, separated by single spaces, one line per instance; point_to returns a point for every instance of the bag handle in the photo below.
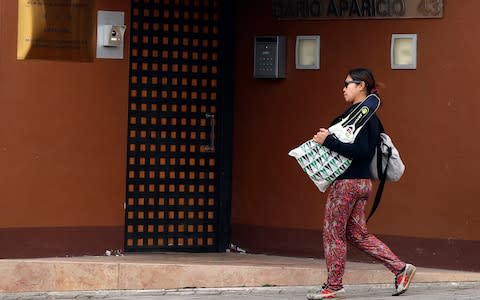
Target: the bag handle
pixel 383 178
pixel 382 175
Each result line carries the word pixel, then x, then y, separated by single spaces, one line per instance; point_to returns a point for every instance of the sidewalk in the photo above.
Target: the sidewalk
pixel 190 270
pixel 418 291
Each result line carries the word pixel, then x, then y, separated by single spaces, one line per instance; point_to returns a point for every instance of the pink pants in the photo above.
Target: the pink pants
pixel 345 221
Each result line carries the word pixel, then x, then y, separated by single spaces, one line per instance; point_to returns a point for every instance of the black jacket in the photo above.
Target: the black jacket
pixel 361 151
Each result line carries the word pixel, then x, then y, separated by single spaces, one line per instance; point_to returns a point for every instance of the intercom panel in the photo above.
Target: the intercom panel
pixel 269 57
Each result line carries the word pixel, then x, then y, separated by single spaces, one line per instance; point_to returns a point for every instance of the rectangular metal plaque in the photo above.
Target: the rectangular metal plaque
pixel 356 9
pixel 56 29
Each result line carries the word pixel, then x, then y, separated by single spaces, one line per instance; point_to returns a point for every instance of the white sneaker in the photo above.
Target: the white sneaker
pixel 326 293
pixel 403 280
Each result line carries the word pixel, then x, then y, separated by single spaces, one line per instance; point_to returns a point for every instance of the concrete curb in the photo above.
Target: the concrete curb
pixel 178 271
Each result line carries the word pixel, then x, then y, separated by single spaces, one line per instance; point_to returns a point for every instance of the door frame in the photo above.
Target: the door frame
pixel 225 121
pixel 224 130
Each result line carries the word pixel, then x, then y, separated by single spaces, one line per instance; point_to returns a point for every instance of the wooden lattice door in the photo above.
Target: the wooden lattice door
pixel 172 198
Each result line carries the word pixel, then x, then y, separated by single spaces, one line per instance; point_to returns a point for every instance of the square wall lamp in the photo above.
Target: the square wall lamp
pixel 403 54
pixel 307 52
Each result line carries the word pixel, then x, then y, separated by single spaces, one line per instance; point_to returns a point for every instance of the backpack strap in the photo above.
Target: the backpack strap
pixel 382 175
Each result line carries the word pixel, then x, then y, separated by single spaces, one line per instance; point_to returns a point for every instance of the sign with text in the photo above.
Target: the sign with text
pixel 56 29
pixel 356 9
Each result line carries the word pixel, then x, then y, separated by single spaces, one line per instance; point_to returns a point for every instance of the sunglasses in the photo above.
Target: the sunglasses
pixel 351 81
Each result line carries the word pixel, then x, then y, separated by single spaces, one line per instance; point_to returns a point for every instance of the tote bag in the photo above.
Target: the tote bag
pixel 323 165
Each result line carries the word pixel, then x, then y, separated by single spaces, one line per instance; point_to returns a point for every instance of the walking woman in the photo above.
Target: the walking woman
pixel 347 198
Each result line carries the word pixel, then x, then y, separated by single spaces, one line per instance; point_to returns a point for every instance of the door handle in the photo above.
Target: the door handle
pixel 211 147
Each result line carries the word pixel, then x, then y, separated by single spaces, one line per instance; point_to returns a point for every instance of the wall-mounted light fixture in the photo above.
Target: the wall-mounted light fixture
pixel 307 52
pixel 404 51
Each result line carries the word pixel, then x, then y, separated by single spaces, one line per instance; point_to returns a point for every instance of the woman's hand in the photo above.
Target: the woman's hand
pixel 321 135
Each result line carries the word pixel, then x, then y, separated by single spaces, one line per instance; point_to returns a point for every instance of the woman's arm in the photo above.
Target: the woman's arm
pixel 362 148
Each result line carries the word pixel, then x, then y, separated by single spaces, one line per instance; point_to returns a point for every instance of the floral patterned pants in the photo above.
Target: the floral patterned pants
pixel 345 221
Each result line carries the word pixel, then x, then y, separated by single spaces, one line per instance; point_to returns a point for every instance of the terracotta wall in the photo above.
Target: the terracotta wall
pixel 62 147
pixel 431 112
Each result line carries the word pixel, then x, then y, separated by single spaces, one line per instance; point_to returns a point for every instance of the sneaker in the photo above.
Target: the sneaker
pixel 403 279
pixel 326 293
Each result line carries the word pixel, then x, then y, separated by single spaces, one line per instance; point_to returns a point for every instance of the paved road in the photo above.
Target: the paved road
pixel 430 291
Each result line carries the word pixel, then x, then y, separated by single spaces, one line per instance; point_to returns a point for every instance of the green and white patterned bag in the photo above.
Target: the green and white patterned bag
pixel 323 165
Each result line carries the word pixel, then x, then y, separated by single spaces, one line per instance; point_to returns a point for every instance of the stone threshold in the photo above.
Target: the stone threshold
pixel 190 270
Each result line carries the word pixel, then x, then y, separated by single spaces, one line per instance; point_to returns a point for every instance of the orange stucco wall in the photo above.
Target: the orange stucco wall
pixel 63 126
pixel 432 113
pixel 62 135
